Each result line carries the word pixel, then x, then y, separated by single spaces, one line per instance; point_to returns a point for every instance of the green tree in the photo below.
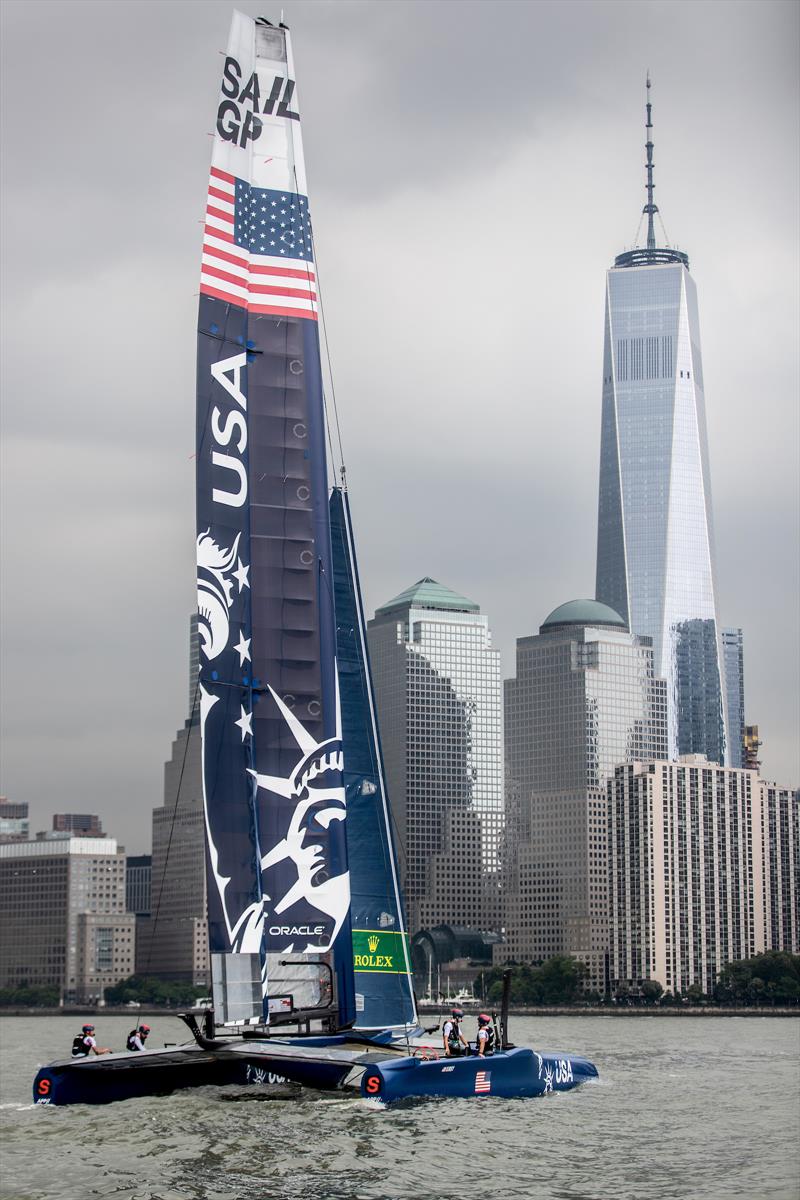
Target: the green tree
pixel 145 990
pixel 651 991
pixel 557 981
pixel 30 996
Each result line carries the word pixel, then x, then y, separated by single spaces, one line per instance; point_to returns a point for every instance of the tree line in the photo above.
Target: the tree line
pixel 140 989
pixel 768 979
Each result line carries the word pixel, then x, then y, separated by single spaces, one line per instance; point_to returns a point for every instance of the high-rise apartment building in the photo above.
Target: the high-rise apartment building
pixel 62 913
pixel 584 698
pixel 14 823
pixel 437 687
pixel 655 546
pixel 733 656
pixel 780 834
pixel 173 940
pixel 704 863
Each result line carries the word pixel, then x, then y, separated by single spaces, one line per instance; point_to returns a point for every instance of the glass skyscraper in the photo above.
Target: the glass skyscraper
pixel 733 655
pixel 655 547
pixel 438 693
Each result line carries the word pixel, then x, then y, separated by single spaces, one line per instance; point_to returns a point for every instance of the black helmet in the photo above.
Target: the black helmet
pixel 483 1019
pixel 88 1028
pixel 457 1013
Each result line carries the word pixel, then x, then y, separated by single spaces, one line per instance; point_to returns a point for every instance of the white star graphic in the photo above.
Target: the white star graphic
pixel 240 575
pixel 242 648
pixel 245 723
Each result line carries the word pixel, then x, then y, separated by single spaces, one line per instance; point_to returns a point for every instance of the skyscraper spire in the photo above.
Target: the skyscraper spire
pixel 650 208
pixel 650 253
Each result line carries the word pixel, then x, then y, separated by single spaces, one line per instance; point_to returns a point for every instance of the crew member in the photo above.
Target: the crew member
pixel 485 1039
pixel 455 1043
pixel 137 1038
pixel 84 1044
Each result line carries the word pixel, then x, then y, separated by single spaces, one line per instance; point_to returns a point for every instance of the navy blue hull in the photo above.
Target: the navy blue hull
pixel 510 1073
pixel 105 1079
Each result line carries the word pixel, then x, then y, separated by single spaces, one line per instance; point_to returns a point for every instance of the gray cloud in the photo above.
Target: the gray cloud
pixel 473 170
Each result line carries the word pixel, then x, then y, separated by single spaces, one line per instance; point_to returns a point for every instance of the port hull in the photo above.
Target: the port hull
pixel 107 1078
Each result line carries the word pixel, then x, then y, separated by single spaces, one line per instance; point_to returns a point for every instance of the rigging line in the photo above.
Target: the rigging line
pixel 328 357
pixel 314 280
pixel 638 231
pixel 321 310
pixel 172 824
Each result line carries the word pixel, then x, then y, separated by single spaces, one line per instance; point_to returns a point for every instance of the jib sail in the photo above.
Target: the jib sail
pixel 383 991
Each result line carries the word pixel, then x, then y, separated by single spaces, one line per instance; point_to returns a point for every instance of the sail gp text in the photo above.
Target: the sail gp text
pixel 237 115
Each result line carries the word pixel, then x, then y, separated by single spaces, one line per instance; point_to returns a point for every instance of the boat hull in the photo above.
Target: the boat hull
pixel 124 1076
pixel 509 1073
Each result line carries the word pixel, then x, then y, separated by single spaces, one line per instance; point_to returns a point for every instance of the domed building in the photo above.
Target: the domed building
pixel 584 698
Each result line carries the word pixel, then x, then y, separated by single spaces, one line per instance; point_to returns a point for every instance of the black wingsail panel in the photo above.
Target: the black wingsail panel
pixel 274 796
pixel 382 974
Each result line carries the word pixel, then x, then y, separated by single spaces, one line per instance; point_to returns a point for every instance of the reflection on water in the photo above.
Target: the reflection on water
pixel 684 1108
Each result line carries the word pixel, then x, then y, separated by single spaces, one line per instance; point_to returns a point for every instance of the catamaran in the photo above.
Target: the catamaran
pixel 311 972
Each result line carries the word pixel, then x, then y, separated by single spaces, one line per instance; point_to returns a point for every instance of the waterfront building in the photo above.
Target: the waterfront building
pixel 62 912
pixel 703 870
pixel 173 940
pixel 733 656
pixel 584 698
pixel 655 545
pixel 138 875
pixel 14 823
pixel 780 816
pixel 438 694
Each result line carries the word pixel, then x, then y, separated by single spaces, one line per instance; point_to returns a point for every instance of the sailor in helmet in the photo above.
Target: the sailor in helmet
pixel 85 1044
pixel 137 1038
pixel 455 1043
pixel 485 1039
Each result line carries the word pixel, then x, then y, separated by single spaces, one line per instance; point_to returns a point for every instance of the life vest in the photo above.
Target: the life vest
pixel 131 1042
pixel 488 1040
pixel 79 1047
pixel 454 1039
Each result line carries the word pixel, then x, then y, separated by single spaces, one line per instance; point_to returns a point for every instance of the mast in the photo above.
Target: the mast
pixel 273 792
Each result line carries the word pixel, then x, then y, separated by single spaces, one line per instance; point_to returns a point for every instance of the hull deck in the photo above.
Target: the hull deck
pixel 385 1073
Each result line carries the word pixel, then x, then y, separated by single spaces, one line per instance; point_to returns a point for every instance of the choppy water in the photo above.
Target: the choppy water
pixel 685 1108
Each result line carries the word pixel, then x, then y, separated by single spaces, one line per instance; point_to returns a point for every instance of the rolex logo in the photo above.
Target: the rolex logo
pixel 373 944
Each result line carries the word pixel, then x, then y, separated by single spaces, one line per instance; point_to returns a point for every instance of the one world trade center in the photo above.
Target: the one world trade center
pixel 655 543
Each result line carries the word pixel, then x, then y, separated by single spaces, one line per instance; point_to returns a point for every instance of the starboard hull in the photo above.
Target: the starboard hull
pixel 513 1073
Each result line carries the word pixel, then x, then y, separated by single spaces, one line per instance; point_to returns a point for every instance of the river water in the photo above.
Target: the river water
pixel 685 1108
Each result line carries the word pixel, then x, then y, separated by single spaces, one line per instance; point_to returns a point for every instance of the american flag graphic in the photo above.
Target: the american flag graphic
pixel 483 1081
pixel 257 250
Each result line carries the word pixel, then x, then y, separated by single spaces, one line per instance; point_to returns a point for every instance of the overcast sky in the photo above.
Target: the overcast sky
pixel 473 170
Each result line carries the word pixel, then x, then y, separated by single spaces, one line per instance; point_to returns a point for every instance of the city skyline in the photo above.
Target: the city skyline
pixel 508 520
